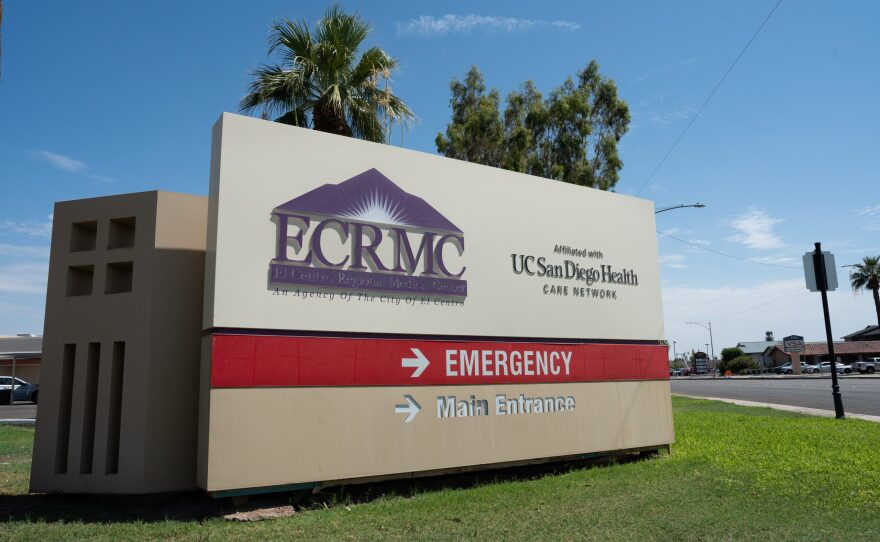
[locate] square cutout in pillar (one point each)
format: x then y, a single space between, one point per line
119 277
83 236
121 233
80 279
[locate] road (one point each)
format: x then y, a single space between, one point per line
860 395
20 410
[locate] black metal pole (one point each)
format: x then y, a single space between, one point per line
822 283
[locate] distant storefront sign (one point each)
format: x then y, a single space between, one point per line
793 344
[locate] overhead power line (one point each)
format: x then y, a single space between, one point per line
705 103
759 305
740 258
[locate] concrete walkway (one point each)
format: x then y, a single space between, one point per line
777 377
21 413
787 408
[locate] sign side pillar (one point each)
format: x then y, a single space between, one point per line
795 363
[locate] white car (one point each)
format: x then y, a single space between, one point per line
825 367
787 370
24 391
869 366
6 382
811 368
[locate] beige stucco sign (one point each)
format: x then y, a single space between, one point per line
372 311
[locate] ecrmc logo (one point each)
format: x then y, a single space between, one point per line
368 234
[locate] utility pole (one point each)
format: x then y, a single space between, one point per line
711 340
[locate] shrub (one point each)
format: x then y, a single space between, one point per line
740 364
729 354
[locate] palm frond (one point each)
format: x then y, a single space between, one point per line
275 89
321 78
365 123
374 64
291 37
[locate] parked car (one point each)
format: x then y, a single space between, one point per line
787 369
812 368
869 366
24 391
825 367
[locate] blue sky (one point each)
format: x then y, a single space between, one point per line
108 97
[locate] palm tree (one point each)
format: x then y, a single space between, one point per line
321 83
866 276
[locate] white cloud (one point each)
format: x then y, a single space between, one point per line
429 26
675 261
862 251
31 228
660 110
61 161
755 229
702 242
869 210
24 278
664 118
872 212
102 178
744 313
22 316
71 165
34 251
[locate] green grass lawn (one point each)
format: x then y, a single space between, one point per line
735 473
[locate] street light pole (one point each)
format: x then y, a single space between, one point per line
682 206
674 356
711 340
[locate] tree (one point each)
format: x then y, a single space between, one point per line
476 133
866 276
730 353
740 365
570 136
321 82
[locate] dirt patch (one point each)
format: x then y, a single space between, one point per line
259 514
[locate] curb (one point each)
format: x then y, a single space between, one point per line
789 408
18 421
775 377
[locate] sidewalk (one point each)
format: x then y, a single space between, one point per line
774 377
20 413
788 408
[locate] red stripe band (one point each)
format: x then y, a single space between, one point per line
239 361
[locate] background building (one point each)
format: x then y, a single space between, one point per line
815 352
756 350
24 352
870 333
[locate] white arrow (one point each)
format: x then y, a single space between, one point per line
410 409
420 362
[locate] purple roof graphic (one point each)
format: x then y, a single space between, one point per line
370 197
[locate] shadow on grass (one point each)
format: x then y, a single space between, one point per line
198 506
